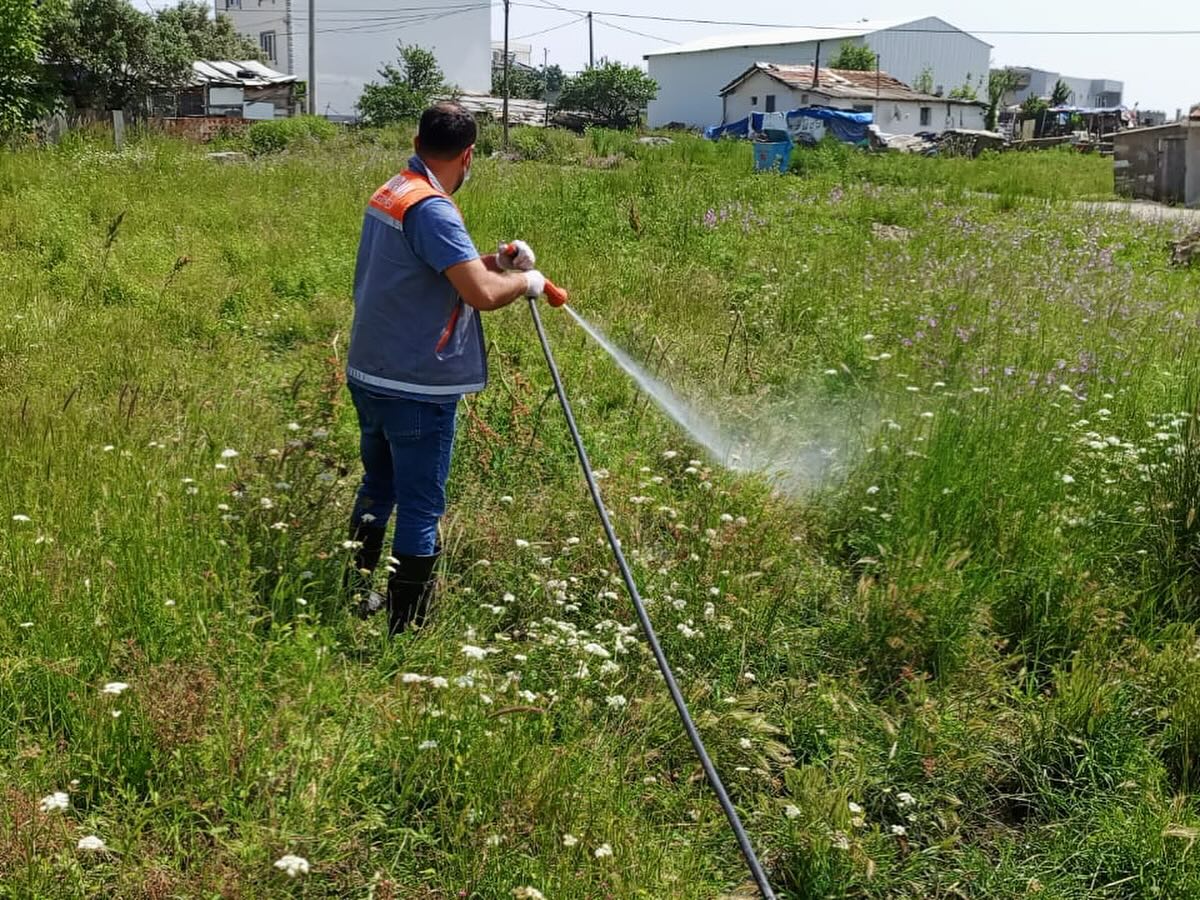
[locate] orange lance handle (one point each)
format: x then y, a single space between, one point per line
555 295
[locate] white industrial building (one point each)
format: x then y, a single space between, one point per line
690 76
898 108
1095 93
353 44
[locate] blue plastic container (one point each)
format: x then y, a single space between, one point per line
773 156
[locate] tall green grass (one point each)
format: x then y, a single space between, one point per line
963 663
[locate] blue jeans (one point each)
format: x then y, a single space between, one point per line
406 447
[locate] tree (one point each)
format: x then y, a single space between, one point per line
109 55
966 91
22 97
854 56
1000 82
614 94
924 82
206 37
527 84
523 83
406 90
1061 93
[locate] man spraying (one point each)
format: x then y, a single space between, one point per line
415 348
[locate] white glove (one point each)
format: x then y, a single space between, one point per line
522 261
535 284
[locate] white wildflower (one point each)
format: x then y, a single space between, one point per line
1068 479
905 799
791 811
21 517
569 840
411 678
855 809
522 543
56 801
115 688
427 745
506 500
229 453
528 893
603 851
437 681
91 842
596 650
292 865
899 830
616 701
472 652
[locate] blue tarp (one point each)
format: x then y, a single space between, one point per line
850 127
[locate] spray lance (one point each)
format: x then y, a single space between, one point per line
558 297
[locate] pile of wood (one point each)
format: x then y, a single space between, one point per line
1186 251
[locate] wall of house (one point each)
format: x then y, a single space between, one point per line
953 57
349 55
892 117
253 17
1138 164
1192 178
689 84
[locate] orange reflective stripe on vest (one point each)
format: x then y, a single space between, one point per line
395 199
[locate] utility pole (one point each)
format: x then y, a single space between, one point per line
504 114
591 45
312 57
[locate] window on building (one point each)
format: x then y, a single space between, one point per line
864 107
233 4
770 98
266 41
804 99
754 100
926 116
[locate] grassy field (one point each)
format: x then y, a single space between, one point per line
962 662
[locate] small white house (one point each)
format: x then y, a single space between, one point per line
690 75
898 108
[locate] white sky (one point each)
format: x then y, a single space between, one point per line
1159 71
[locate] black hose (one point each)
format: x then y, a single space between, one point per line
756 869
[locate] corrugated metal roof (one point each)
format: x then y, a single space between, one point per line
244 73
520 112
847 84
766 37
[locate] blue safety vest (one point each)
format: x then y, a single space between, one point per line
413 335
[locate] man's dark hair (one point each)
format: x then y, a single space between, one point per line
446 130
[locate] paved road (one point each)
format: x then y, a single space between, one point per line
1148 212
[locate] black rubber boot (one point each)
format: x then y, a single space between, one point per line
357 578
410 588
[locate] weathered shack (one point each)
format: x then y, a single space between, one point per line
1160 164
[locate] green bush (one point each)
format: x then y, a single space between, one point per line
280 134
552 145
610 142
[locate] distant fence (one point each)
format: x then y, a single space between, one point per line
200 128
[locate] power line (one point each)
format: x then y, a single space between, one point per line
653 37
681 20
575 21
393 24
